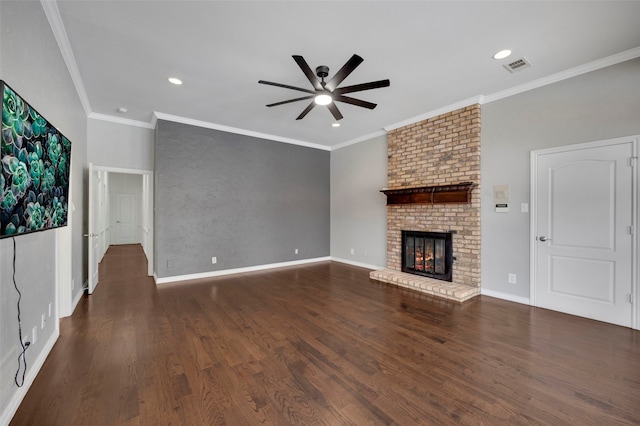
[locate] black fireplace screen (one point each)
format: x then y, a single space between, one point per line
427 253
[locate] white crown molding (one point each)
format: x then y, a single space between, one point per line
571 72
360 139
208 125
120 120
55 21
435 113
554 78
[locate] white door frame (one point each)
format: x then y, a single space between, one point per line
93 232
635 283
147 199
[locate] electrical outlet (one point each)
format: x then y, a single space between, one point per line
42 321
49 309
73 284
512 278
353 251
169 263
296 251
214 260
34 335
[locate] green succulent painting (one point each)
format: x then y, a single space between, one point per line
34 178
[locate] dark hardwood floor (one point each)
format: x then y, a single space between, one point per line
323 345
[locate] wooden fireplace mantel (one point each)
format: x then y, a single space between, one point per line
457 193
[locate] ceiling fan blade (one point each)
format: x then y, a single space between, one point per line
291 100
306 110
308 72
353 101
346 69
361 87
335 111
286 86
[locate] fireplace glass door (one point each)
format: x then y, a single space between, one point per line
427 253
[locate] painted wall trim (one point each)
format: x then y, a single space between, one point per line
436 112
359 264
207 125
554 78
55 21
78 298
505 296
564 75
34 369
358 140
176 278
120 120
123 170
60 33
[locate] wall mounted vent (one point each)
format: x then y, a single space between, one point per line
518 65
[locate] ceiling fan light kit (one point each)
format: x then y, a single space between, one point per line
323 99
328 93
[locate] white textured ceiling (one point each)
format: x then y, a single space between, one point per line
436 54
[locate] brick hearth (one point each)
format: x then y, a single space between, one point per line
438 288
442 150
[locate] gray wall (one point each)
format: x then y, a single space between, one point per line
31 63
245 200
119 145
603 104
358 208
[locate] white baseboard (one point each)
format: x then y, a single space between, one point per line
78 297
360 264
211 274
32 372
505 296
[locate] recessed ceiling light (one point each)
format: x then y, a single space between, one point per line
174 80
335 125
502 54
122 110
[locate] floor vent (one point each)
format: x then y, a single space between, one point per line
518 65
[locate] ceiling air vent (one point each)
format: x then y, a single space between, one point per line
517 65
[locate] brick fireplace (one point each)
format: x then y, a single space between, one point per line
440 152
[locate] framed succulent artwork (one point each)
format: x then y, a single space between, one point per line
36 160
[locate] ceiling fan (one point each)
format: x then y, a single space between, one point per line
328 93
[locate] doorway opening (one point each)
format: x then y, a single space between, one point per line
120 212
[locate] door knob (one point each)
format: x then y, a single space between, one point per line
543 238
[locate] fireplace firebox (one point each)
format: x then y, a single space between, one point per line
429 254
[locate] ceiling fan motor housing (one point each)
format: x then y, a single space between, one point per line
322 71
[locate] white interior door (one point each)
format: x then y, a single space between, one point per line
583 217
94 255
125 219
